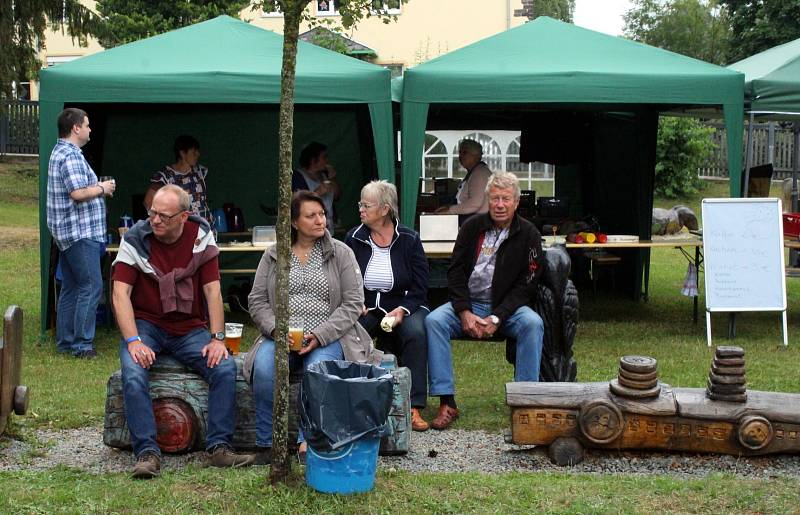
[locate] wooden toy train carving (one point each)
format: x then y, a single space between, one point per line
636 411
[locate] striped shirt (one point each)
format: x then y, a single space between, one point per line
378 275
68 219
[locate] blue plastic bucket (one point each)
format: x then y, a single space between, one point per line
349 470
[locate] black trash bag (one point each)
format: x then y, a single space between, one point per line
342 401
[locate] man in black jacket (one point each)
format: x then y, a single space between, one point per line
496 265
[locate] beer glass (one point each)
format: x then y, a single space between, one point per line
233 337
296 334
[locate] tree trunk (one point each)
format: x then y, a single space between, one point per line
281 462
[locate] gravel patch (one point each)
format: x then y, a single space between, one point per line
431 451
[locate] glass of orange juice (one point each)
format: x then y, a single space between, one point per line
233 337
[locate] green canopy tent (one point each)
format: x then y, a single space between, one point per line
220 81
602 94
772 91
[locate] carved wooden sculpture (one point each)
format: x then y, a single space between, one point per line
636 411
13 395
556 301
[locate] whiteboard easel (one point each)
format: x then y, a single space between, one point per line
743 256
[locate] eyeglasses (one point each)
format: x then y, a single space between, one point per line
165 219
364 205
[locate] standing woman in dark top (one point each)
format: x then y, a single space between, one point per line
395 272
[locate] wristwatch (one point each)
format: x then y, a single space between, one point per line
495 319
219 336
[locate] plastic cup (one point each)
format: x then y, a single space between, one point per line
233 337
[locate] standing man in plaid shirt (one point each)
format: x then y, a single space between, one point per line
76 217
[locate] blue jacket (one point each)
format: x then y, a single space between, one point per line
409 269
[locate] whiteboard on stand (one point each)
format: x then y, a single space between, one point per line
743 257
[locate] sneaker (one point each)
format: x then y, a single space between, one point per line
417 422
263 456
445 417
148 465
223 456
86 354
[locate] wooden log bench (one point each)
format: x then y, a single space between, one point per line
13 395
180 406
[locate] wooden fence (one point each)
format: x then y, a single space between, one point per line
19 127
771 140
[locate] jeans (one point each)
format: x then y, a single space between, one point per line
187 349
81 287
525 325
264 383
409 343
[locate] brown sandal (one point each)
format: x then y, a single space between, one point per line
445 417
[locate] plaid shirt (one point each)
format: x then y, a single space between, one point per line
68 219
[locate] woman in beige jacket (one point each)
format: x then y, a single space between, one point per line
325 293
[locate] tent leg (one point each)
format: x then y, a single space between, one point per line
793 254
748 160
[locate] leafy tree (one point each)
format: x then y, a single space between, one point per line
294 12
695 28
132 20
558 9
22 27
684 145
759 25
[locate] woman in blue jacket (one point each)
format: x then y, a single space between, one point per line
395 272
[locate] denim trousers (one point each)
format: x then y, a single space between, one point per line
81 288
264 383
187 349
525 325
409 343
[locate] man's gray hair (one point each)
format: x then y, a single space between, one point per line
385 193
471 146
184 200
504 181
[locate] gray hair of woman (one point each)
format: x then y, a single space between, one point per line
504 181
471 146
385 193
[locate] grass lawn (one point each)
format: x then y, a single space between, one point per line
67 393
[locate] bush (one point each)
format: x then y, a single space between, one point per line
684 145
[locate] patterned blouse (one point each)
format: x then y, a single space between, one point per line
309 298
193 182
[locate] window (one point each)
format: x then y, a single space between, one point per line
527 173
396 69
435 160
326 8
386 6
492 154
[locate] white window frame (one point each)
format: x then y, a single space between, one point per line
332 11
277 13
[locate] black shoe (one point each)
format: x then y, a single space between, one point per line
263 456
86 354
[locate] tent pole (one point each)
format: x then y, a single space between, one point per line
795 166
748 160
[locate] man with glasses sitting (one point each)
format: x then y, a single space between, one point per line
166 294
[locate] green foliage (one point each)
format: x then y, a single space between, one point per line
695 28
22 27
330 40
760 25
132 20
558 9
684 145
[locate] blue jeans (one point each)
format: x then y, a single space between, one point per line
186 348
525 325
81 287
264 383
